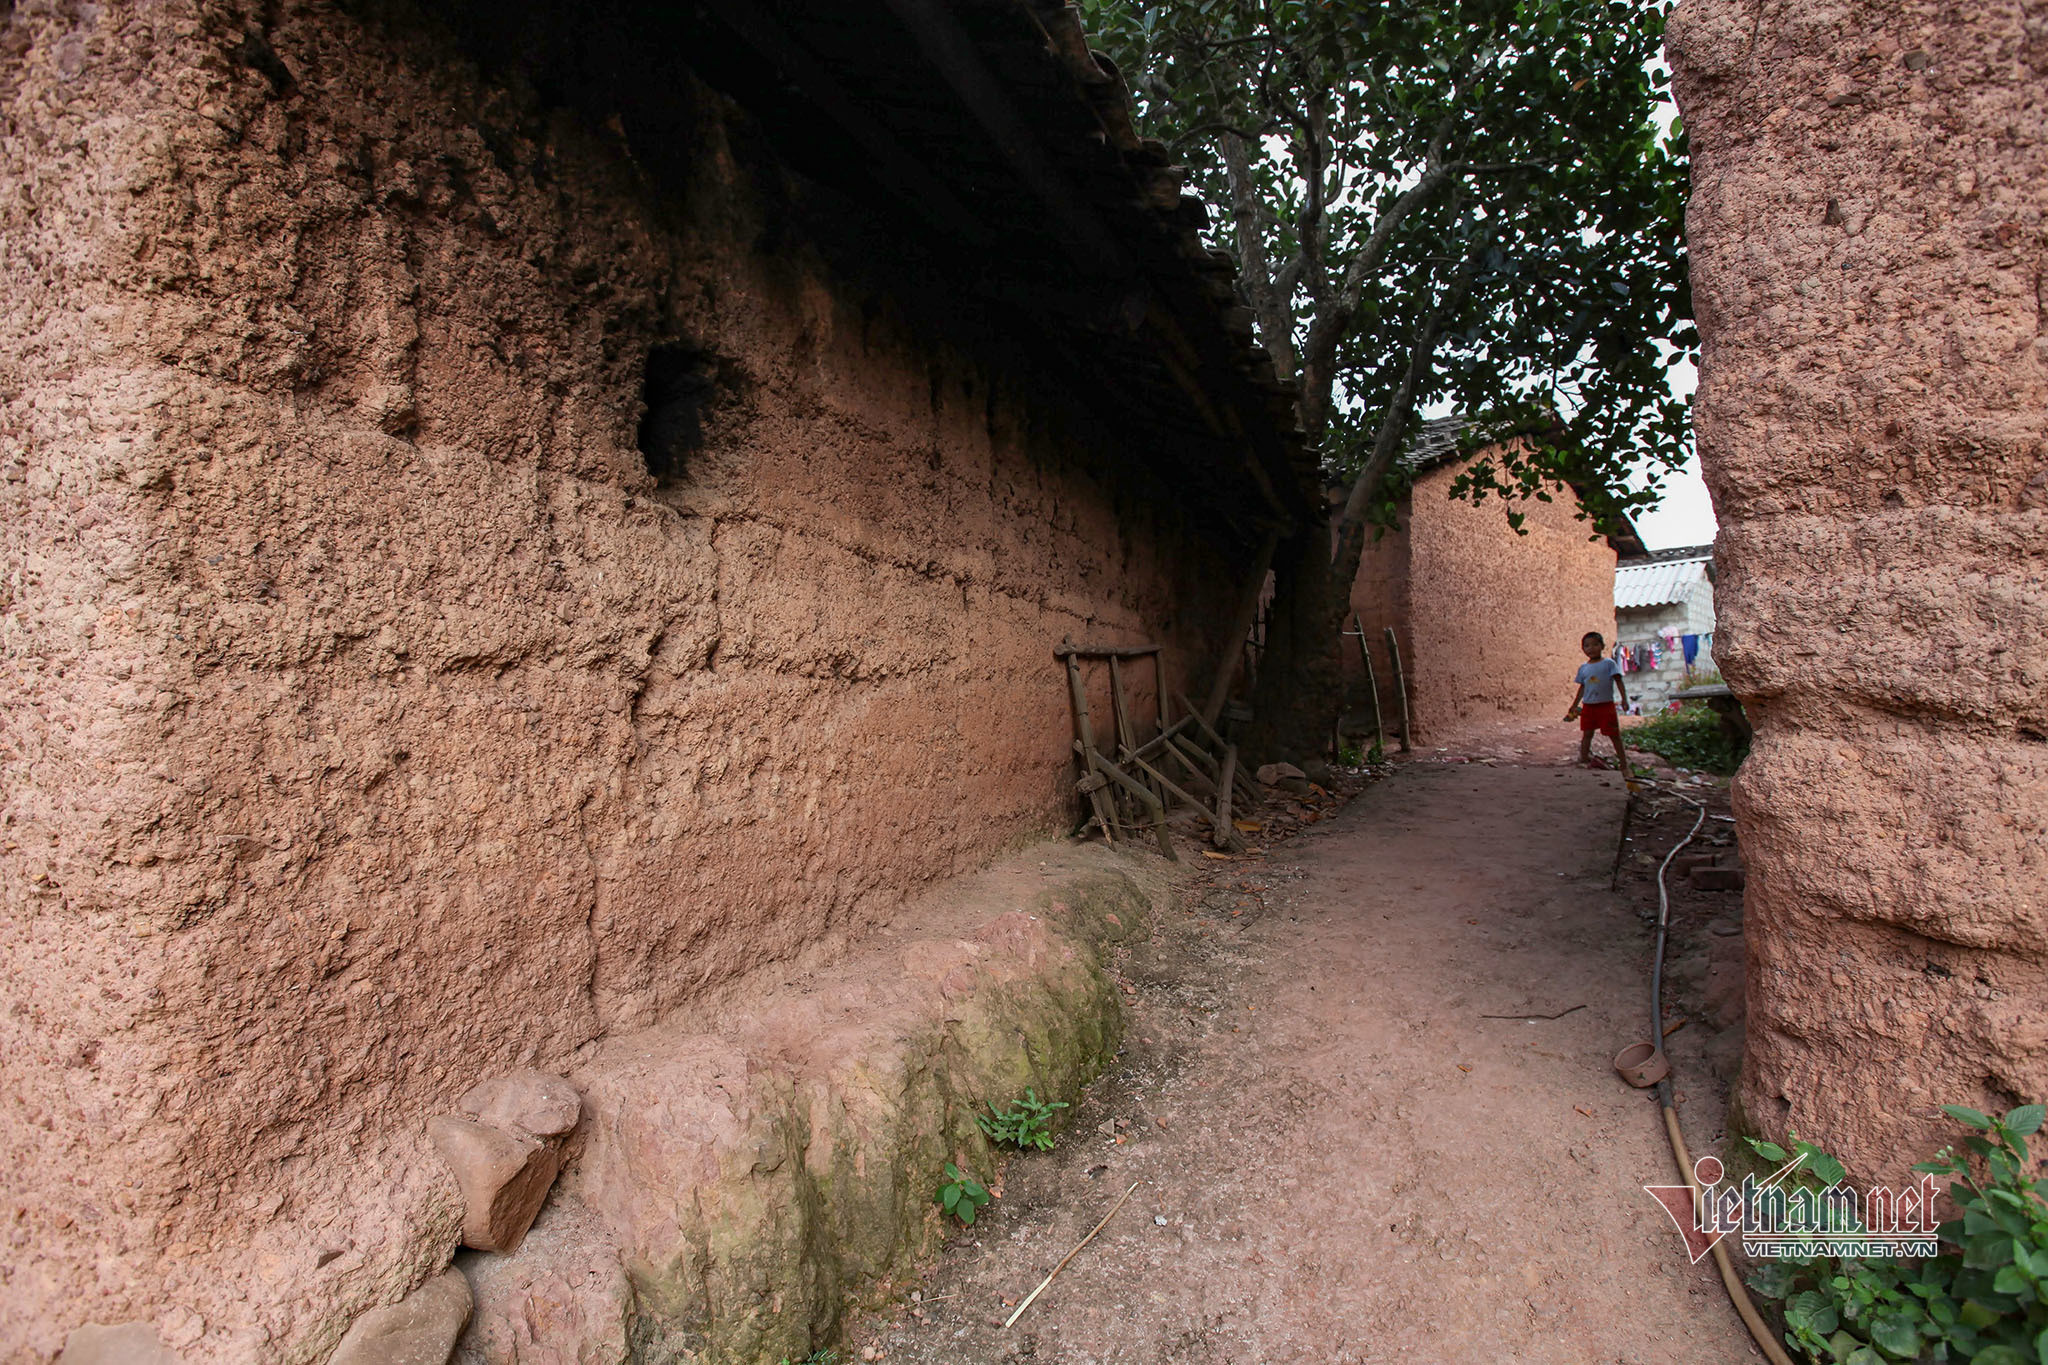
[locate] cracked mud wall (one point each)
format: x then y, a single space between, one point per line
375 719
1869 203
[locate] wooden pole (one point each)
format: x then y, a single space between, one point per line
1400 686
1159 688
1225 834
1126 734
1172 787
1102 806
1068 649
1197 776
1240 628
1244 785
1372 686
1145 799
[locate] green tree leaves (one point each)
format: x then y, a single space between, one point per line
1463 203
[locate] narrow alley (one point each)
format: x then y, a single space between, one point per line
1343 1157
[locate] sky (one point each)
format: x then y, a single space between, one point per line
1686 515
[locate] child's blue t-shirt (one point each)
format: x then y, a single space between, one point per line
1597 676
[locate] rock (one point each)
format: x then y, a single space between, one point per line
753 1180
504 1178
420 1329
182 1328
1716 878
1318 772
532 1102
562 1299
1723 996
130 1343
1269 774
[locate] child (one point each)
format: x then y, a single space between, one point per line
1599 678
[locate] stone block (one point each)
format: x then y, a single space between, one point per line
420 1329
129 1343
504 1178
1716 878
536 1103
562 1299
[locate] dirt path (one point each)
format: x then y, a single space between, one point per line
1343 1160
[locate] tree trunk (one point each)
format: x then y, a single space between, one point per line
1301 681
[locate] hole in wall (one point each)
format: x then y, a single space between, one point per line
675 392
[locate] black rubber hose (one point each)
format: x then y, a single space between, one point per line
1745 1308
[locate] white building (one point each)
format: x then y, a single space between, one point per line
1663 600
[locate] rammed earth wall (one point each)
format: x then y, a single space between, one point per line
1869 201
1489 621
375 720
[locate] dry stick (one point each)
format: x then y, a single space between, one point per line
1103 807
1559 1015
1070 1256
1628 808
1372 687
1400 686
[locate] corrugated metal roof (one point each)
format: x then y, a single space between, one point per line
1655 584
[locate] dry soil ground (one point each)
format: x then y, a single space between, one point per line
1341 1157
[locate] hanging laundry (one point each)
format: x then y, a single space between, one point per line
1691 645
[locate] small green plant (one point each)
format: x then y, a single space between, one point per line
962 1195
1350 755
1026 1123
1983 1299
1691 737
824 1355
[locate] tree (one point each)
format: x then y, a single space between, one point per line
1464 203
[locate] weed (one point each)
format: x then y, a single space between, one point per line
1984 1299
1690 737
824 1355
1026 1123
962 1195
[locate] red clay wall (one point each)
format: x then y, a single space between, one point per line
373 721
1489 621
1379 598
1868 224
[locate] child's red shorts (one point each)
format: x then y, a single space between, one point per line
1599 717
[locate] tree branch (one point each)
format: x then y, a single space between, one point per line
1252 218
1350 539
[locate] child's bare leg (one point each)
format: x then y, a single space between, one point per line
1585 746
1620 753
